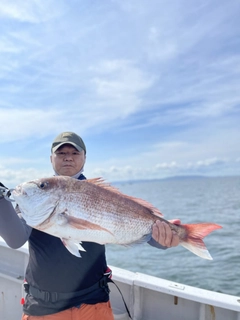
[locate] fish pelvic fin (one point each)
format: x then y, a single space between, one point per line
193 238
73 248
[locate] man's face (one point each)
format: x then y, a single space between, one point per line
67 161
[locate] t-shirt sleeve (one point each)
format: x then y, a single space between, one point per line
13 228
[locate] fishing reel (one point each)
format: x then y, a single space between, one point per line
5 192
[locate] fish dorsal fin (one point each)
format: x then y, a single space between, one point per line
101 182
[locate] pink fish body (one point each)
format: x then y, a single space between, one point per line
91 210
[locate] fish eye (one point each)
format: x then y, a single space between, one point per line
43 185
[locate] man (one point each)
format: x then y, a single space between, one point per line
59 285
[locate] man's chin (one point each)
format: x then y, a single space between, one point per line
67 172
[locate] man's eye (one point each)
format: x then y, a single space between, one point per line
60 154
65 154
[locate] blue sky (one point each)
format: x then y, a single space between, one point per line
153 87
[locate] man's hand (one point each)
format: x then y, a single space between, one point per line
163 234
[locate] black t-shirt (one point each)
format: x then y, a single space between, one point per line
53 268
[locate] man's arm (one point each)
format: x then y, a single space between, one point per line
13 230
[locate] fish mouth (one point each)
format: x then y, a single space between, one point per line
18 191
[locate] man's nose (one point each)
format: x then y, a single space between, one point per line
68 155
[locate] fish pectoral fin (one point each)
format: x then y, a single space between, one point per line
82 224
73 247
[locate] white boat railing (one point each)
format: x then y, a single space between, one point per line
154 298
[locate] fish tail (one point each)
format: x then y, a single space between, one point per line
193 235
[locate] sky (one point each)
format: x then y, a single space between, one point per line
152 86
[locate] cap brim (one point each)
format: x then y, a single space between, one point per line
61 144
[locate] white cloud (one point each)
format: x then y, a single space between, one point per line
163 170
30 11
166 73
19 124
120 83
12 178
210 162
166 165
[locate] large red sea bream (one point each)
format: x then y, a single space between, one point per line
91 210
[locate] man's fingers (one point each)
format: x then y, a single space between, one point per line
168 235
163 234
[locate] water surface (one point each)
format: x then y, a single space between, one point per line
192 200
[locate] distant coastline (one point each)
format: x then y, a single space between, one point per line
182 177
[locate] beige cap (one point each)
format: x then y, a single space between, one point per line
70 138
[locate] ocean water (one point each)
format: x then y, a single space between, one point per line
191 200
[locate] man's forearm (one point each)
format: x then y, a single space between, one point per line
12 229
